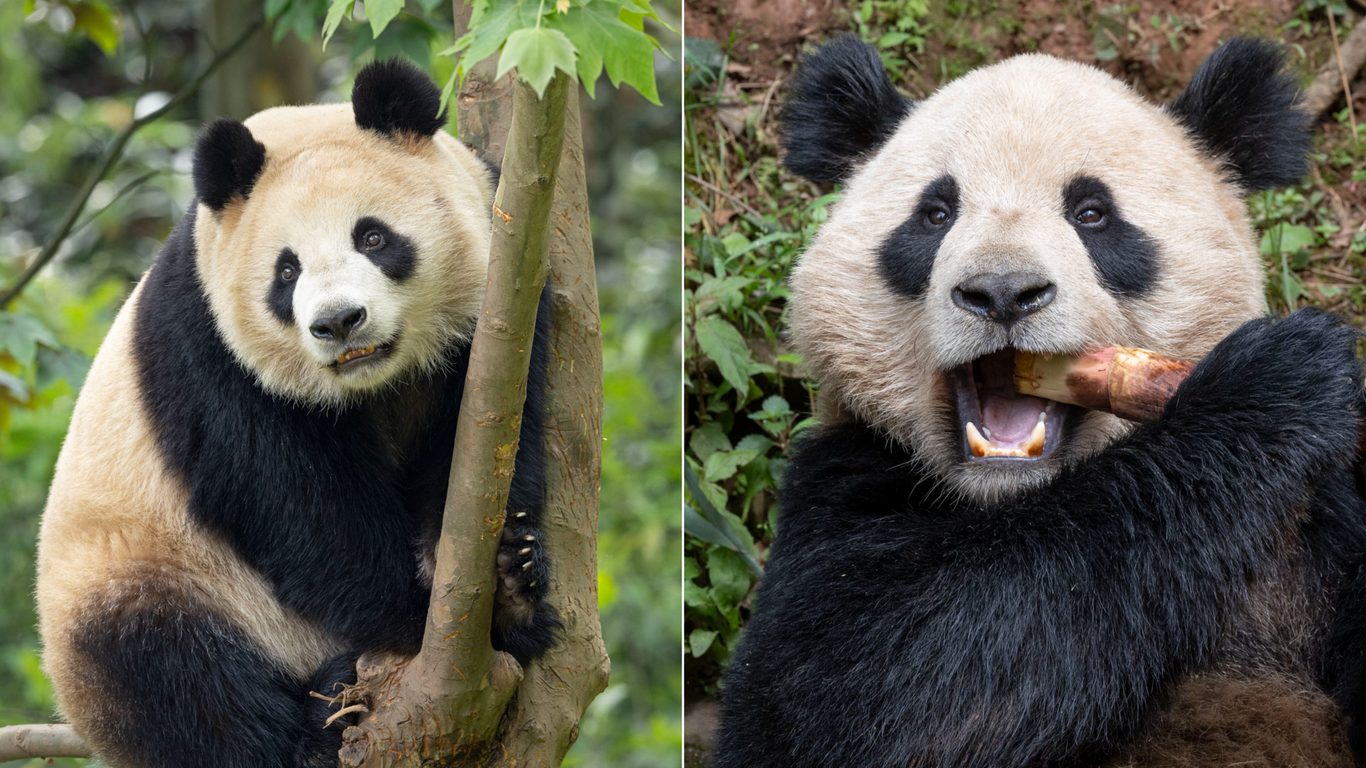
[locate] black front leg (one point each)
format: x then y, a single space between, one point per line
524 624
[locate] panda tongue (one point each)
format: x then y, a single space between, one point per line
1009 416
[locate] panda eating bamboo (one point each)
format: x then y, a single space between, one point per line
252 486
965 576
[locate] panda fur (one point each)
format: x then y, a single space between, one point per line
1188 592
235 515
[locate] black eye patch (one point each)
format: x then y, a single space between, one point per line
1124 256
393 253
906 257
280 298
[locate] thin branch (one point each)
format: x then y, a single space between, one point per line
111 156
22 742
741 203
1328 82
1346 87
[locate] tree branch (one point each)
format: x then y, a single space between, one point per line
112 153
456 690
1329 81
22 742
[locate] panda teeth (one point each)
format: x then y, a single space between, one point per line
1032 448
352 354
978 444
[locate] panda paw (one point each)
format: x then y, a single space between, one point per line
523 567
524 624
321 742
1293 385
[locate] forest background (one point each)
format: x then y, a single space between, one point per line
746 220
71 79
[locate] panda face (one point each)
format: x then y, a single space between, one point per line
352 259
1033 205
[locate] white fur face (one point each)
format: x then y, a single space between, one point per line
356 258
1015 138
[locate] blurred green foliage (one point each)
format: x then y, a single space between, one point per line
64 94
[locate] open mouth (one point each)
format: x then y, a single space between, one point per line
995 421
360 356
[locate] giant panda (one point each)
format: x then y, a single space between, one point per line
1187 592
252 486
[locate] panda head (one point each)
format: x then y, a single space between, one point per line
342 246
1036 204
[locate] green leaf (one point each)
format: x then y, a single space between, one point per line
730 577
275 7
13 389
718 521
96 21
757 443
723 464
708 439
1286 238
735 243
381 12
700 528
299 17
699 642
722 343
490 25
537 53
603 39
431 5
62 364
339 10
694 595
20 335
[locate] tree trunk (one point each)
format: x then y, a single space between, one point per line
458 700
556 690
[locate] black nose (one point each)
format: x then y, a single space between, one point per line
338 326
1005 298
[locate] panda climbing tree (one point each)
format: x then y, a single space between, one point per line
141 669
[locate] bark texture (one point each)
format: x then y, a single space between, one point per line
447 704
21 742
1328 82
555 691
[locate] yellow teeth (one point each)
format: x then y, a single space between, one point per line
352 354
981 447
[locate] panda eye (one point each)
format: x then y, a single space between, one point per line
1090 217
373 240
288 272
937 217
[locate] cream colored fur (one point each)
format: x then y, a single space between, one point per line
1013 135
116 517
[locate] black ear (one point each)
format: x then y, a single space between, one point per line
227 160
394 96
840 107
1243 108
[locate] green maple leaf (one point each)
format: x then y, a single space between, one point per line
602 38
537 53
381 12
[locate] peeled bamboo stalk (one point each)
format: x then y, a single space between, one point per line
1131 383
